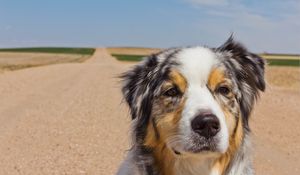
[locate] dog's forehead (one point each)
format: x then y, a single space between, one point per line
196 64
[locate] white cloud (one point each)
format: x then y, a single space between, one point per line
271 27
275 9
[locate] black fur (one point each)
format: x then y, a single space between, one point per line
250 78
140 84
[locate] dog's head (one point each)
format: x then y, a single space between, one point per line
194 99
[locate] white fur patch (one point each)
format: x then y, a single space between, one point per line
215 172
196 64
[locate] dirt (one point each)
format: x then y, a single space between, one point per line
132 50
19 60
70 119
285 77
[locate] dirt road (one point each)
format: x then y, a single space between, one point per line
63 119
68 119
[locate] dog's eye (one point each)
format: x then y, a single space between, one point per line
224 90
172 92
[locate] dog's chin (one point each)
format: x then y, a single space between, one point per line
199 146
195 150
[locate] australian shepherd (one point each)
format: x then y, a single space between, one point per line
190 108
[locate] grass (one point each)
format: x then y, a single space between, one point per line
271 62
62 50
283 62
128 57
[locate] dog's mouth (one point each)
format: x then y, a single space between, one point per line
176 152
194 150
196 146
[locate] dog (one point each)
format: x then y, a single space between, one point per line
190 109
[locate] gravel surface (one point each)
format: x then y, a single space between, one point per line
70 119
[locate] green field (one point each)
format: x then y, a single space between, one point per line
62 50
128 57
283 62
272 62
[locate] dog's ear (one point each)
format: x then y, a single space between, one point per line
252 64
248 69
135 83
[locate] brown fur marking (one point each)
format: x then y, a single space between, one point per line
217 77
167 125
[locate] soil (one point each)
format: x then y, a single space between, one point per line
70 119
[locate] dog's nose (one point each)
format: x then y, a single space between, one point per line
206 125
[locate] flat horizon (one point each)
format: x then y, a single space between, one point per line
262 26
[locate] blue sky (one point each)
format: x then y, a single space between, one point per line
262 25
